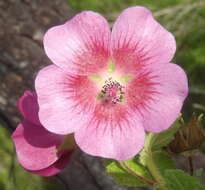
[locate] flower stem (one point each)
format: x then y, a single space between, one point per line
150 163
154 170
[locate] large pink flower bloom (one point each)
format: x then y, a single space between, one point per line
110 87
37 148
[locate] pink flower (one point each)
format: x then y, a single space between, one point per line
110 87
37 148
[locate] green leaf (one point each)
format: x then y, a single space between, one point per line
125 178
122 177
163 161
157 162
138 168
156 141
179 180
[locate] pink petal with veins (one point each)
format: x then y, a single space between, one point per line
80 46
137 39
113 133
66 101
157 93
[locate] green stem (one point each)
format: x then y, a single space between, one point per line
154 170
150 163
142 178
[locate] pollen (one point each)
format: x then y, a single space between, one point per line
112 91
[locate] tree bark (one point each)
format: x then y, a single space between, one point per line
22 26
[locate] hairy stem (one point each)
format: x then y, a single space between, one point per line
153 168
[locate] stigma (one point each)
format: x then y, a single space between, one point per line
112 91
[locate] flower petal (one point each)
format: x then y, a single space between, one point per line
157 93
35 146
56 167
80 46
28 106
65 101
137 39
112 133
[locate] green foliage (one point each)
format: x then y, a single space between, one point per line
107 6
156 141
125 177
163 160
157 162
122 177
178 180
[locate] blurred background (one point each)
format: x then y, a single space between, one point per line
22 26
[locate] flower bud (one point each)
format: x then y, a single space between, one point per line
189 137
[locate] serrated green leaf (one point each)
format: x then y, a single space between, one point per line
163 161
123 177
179 180
157 162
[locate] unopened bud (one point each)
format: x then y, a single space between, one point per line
189 137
